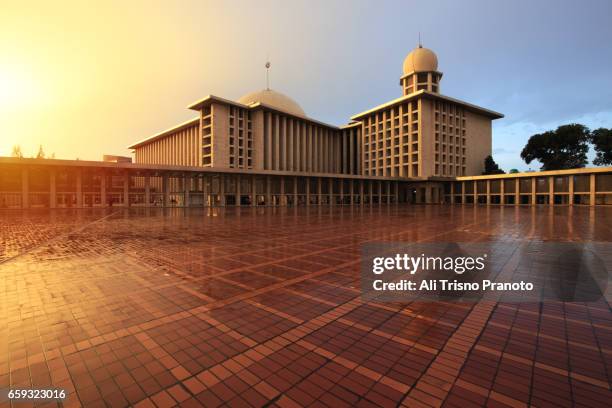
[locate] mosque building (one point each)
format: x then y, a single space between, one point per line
264 149
420 134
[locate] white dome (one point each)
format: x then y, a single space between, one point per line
273 99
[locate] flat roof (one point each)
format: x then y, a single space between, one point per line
173 168
428 94
166 132
583 170
208 100
147 167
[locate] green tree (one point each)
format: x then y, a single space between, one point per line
563 148
513 171
41 153
602 143
491 167
17 152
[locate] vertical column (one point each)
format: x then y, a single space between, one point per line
352 190
331 191
253 191
592 189
344 161
322 153
360 153
276 146
126 189
52 189
221 190
307 191
79 188
308 135
297 146
290 146
238 192
388 191
551 190
401 141
488 192
103 201
315 149
351 149
268 163
295 191
165 191
571 189
341 181
428 194
324 149
187 185
517 191
533 191
147 186
304 147
25 188
283 143
282 199
452 192
463 192
380 188
268 195
361 198
397 185
205 190
502 191
330 151
319 181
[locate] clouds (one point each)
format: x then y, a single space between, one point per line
510 138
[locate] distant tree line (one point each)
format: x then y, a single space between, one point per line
563 148
40 155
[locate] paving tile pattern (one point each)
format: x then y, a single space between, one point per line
261 307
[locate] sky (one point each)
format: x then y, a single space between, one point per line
84 79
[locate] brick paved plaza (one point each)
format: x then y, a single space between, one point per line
261 307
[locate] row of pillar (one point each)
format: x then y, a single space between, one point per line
532 194
382 188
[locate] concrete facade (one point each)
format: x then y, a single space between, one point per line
49 183
420 134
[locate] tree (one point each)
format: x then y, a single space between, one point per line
513 171
491 167
17 152
41 153
563 148
602 143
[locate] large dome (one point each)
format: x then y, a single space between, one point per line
275 100
420 60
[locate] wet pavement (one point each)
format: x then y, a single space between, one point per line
255 307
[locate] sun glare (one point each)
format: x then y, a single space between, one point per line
18 87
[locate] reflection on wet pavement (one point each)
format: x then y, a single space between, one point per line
229 306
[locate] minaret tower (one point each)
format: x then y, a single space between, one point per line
420 71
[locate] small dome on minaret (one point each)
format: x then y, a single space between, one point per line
420 71
420 60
